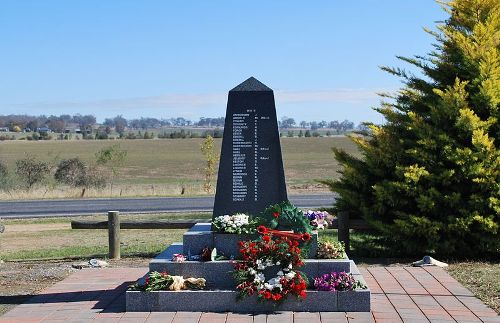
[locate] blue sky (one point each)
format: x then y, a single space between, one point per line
179 58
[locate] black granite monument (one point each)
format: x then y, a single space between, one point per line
251 173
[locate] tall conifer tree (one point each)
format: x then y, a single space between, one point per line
429 178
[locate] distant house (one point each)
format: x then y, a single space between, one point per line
87 131
72 128
4 129
43 130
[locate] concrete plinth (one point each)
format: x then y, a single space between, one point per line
225 301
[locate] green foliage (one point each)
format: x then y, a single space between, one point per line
4 175
285 216
113 158
153 282
429 179
211 159
31 170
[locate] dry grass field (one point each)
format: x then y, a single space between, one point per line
163 167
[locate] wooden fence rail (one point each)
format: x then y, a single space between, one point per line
342 223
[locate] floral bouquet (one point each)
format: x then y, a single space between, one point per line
318 219
335 281
237 223
258 255
156 281
330 250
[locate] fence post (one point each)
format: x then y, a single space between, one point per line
343 229
114 234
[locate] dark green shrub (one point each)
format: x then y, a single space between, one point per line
429 178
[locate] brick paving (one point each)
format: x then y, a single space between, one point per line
399 294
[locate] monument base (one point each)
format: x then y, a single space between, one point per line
225 301
201 236
220 295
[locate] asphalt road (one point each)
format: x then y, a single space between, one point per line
77 207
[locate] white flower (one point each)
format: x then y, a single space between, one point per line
290 275
259 278
252 271
268 286
278 263
280 273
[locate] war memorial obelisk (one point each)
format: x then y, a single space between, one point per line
251 175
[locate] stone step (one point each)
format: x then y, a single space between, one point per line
219 273
225 301
200 236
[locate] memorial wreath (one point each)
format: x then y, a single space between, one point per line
274 248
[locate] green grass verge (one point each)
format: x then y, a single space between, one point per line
100 217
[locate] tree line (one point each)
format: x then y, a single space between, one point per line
119 124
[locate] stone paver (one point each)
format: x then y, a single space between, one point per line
399 294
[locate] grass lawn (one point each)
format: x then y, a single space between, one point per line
53 238
481 278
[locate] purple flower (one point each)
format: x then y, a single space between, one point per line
335 281
318 219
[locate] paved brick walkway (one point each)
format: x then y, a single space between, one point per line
398 294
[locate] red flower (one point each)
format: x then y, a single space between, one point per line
267 295
276 214
306 237
277 297
302 285
262 229
303 294
266 238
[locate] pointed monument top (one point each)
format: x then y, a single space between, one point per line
251 84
